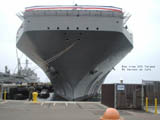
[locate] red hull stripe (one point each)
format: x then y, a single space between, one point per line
73 8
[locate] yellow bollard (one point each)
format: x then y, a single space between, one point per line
146 104
0 94
5 94
155 106
34 94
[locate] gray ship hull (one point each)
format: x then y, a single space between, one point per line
76 52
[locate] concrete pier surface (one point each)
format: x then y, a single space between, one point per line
51 110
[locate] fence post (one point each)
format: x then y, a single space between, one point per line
156 106
5 94
146 104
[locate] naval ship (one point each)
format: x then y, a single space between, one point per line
76 46
23 75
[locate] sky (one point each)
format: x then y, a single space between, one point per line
142 63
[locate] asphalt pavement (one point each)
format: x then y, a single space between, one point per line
52 110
